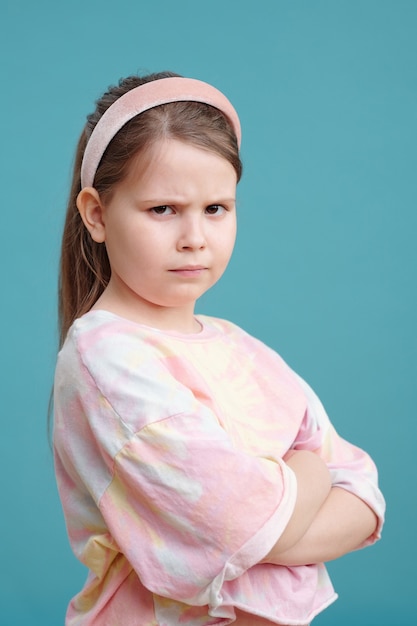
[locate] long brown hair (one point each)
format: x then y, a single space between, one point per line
84 267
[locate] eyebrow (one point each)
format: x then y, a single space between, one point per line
170 200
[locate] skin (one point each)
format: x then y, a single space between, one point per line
327 521
169 229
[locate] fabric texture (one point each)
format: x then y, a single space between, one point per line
140 99
168 454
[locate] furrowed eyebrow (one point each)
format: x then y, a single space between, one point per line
179 202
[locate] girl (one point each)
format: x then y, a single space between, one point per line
201 480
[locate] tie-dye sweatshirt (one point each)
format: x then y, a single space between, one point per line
168 452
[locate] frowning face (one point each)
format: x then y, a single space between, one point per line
169 229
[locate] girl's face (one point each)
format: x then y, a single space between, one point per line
169 230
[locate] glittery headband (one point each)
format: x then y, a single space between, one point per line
142 98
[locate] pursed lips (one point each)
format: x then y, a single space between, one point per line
189 270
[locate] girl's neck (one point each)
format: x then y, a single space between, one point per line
178 319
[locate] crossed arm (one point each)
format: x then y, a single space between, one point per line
327 521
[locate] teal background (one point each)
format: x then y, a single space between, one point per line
325 266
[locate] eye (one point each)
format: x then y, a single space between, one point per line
162 210
215 209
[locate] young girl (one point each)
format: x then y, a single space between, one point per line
201 480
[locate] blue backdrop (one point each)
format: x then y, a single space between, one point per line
325 266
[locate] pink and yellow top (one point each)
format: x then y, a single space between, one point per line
168 452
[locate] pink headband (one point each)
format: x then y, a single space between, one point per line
142 98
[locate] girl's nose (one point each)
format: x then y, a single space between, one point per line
192 236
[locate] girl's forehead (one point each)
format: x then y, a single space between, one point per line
167 154
175 168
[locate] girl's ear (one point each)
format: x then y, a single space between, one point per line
91 210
